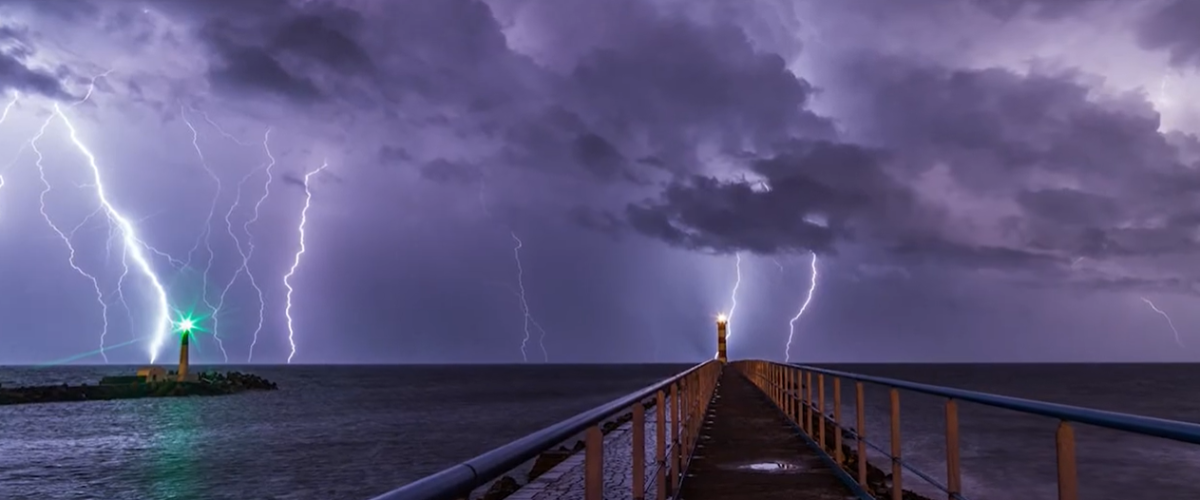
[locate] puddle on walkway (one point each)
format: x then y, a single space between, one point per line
770 467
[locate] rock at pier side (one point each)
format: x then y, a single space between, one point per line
206 384
558 474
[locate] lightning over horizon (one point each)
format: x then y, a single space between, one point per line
528 316
134 248
812 287
733 296
287 310
206 234
1170 322
246 250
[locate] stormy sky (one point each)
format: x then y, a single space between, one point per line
979 180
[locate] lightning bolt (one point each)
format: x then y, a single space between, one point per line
287 310
3 117
247 251
134 248
66 239
728 318
1168 318
206 234
529 319
733 296
812 287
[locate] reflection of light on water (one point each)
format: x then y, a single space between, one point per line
772 467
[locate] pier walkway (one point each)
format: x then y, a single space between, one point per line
749 449
755 430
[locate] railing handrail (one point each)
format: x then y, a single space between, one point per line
457 481
1168 429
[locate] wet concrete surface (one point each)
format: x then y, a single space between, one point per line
749 451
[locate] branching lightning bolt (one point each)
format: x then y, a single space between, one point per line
246 252
206 234
529 319
134 248
812 287
1168 318
287 310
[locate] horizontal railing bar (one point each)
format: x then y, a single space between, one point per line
457 481
1149 426
855 435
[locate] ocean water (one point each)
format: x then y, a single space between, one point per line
352 432
1007 455
330 432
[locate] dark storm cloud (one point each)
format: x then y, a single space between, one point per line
697 81
1070 206
817 192
390 155
324 39
996 122
16 74
241 69
597 220
943 252
276 50
1173 28
446 171
600 157
997 132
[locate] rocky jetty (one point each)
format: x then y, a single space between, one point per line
507 485
206 384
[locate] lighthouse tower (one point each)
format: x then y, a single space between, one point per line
722 323
183 356
185 328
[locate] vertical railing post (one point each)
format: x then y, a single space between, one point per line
593 460
772 386
800 400
897 472
953 474
779 387
1068 482
821 410
794 398
837 420
860 424
673 483
808 403
802 414
660 445
685 419
638 445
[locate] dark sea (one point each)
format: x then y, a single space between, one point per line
352 432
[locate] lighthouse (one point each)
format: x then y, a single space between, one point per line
722 323
185 328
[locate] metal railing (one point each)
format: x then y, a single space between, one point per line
791 388
688 394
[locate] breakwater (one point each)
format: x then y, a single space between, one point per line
205 384
507 485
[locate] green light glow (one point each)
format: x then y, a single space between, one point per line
188 323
